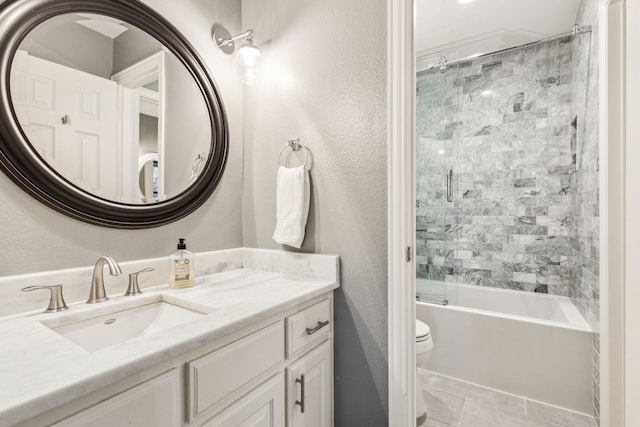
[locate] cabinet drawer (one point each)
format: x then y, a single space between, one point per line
308 326
222 376
152 403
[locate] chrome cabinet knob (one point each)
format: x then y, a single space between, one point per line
56 302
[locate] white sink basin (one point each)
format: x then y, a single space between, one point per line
113 328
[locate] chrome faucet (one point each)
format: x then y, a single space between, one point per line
97 293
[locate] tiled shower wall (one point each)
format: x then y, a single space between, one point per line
503 125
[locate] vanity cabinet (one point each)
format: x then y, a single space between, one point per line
275 373
263 407
152 403
308 327
310 389
308 366
219 378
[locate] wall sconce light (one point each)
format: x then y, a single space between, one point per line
247 56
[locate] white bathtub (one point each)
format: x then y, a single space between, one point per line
533 345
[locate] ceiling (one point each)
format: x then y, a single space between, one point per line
459 30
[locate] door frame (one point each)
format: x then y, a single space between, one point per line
130 80
616 26
401 212
632 245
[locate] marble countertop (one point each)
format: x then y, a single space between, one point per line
40 370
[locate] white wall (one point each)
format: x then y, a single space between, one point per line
327 84
36 238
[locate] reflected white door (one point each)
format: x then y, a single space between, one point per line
70 118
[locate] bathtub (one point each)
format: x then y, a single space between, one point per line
532 345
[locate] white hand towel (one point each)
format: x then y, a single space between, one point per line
292 206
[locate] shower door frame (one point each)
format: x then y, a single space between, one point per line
613 202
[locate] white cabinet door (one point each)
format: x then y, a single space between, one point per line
154 403
263 407
310 389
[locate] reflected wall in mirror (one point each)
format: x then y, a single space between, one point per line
88 89
95 95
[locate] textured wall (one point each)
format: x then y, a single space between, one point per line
37 238
502 124
585 284
327 84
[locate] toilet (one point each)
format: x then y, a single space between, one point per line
424 347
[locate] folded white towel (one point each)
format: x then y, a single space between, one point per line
292 206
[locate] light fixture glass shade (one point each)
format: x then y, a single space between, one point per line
245 63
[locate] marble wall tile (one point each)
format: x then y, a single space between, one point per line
505 125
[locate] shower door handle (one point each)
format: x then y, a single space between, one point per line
449 185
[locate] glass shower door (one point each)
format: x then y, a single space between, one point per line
434 187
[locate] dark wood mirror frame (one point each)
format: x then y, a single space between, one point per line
20 161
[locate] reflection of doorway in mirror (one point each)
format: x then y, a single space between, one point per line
148 178
141 92
69 117
148 142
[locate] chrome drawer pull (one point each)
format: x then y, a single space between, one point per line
301 401
317 328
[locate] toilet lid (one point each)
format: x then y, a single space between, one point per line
422 331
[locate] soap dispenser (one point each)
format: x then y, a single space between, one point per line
181 267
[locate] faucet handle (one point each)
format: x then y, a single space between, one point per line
56 302
134 288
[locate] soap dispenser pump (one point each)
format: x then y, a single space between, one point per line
181 267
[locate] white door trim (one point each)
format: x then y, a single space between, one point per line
130 81
612 210
401 212
632 231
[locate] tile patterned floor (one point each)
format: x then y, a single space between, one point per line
454 403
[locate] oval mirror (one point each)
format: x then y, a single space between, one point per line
108 115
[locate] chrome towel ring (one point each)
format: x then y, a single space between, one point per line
295 145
